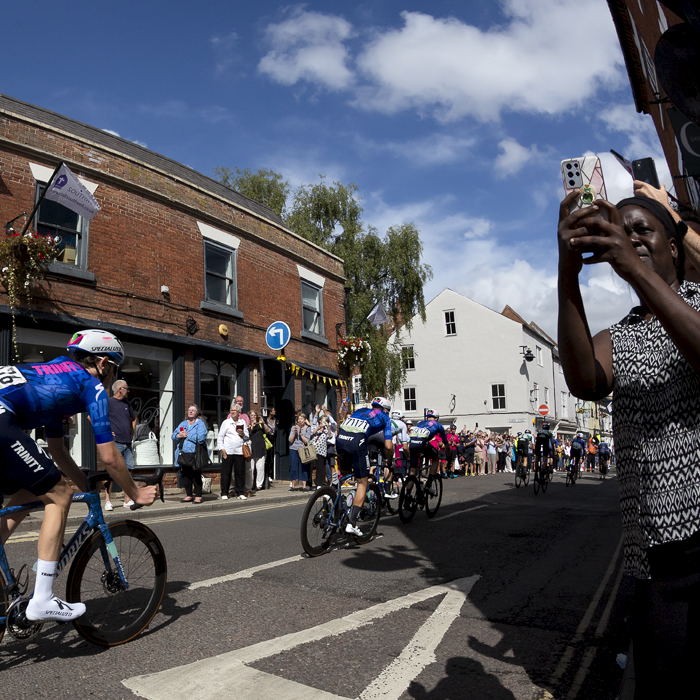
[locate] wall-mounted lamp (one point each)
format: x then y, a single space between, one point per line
527 353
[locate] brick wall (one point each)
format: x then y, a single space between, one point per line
146 235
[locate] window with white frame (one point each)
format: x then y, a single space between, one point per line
546 395
220 274
408 357
450 326
409 399
312 308
498 397
65 226
535 393
538 351
564 403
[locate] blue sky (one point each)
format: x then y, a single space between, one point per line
452 115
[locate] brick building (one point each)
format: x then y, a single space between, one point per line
640 24
229 264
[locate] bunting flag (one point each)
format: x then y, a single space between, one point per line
624 163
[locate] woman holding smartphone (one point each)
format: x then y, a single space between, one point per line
299 437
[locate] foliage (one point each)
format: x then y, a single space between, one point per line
265 186
378 269
24 260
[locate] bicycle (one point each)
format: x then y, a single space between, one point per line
420 492
603 465
571 473
522 473
119 572
388 486
542 475
328 511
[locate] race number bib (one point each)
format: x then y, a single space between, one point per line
354 425
11 376
421 433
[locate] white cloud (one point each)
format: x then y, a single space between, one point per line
309 46
467 256
109 131
435 149
513 157
549 56
640 140
223 46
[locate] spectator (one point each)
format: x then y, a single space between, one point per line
502 449
491 453
271 422
650 361
232 434
298 437
468 445
243 416
122 420
258 429
319 439
479 451
190 432
451 447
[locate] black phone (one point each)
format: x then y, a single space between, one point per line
645 170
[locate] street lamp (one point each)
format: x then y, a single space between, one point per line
527 353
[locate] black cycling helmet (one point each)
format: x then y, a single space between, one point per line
545 426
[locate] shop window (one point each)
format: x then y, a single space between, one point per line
316 394
218 386
147 371
55 220
220 274
312 308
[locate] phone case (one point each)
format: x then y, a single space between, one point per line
586 175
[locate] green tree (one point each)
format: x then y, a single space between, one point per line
378 269
265 186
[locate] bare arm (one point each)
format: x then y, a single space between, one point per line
114 462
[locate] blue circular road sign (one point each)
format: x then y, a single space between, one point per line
278 335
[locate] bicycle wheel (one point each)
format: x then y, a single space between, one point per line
536 481
545 481
369 516
433 495
116 614
408 499
316 529
392 488
518 473
526 478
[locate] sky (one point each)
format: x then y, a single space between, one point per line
452 115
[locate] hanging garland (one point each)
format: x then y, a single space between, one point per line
24 260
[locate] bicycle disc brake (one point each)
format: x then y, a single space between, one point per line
17 623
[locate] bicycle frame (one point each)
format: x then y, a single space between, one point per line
93 520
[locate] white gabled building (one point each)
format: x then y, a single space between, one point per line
469 363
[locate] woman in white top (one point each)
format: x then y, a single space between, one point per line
232 435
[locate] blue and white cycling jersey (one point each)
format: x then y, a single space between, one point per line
425 431
578 444
44 394
367 422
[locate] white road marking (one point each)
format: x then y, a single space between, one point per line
228 676
246 573
459 512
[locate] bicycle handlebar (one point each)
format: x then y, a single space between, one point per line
151 480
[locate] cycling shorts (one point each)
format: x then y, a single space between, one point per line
418 447
542 447
575 454
352 453
24 464
522 448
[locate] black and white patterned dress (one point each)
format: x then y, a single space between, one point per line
656 425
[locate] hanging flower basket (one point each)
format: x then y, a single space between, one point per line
353 351
24 260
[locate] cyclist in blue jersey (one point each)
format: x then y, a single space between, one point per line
352 451
578 449
419 443
34 395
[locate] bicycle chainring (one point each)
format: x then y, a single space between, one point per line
17 623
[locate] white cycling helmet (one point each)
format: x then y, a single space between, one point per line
431 415
381 402
96 342
398 414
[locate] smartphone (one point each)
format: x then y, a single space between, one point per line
585 175
182 430
645 170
